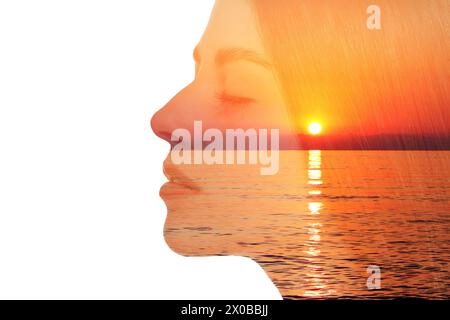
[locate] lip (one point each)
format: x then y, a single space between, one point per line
171 188
176 179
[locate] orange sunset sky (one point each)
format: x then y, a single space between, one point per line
393 81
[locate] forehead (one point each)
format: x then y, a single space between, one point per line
233 24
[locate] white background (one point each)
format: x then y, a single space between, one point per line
80 169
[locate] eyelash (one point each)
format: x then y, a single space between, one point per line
234 100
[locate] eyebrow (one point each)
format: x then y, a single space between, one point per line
228 55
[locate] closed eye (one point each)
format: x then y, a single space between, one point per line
227 99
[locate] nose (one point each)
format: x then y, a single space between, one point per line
160 124
164 121
179 112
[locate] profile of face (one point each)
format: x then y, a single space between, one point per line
212 210
235 87
293 218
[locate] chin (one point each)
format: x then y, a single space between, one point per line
184 239
175 247
181 246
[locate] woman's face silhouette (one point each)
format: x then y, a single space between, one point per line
317 222
234 87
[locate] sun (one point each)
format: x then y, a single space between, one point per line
315 128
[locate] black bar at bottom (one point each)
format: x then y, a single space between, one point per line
197 309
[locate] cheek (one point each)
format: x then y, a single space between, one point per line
259 115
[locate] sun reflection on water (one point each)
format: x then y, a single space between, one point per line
316 285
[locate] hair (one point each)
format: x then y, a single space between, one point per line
328 61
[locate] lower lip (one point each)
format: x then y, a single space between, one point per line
174 188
